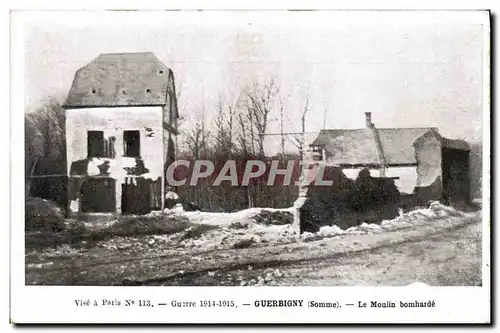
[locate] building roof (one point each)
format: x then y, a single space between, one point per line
349 146
359 146
455 144
120 79
397 143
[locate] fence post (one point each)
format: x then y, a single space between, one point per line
302 197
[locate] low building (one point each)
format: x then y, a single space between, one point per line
121 124
420 160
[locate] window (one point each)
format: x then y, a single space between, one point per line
132 142
95 144
317 153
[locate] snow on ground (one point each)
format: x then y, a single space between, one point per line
244 229
239 229
222 219
408 220
240 233
240 239
225 219
236 230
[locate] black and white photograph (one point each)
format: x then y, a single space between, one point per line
255 149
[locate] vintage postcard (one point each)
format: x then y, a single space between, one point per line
250 167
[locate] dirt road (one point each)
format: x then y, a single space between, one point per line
444 251
449 258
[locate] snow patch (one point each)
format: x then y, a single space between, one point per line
226 219
240 229
435 210
330 231
40 265
93 166
171 195
176 210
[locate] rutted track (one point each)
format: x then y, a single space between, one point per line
295 270
181 267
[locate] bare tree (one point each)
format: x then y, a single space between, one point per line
224 123
282 130
224 144
259 104
220 128
45 132
196 146
242 131
32 144
231 113
298 140
45 136
196 137
259 101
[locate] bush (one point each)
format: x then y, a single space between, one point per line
43 215
147 225
273 217
77 234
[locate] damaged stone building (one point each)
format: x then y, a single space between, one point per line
121 128
420 160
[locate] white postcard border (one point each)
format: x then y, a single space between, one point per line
43 304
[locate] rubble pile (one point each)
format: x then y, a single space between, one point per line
267 217
268 278
43 216
348 203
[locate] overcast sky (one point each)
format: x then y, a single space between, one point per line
408 73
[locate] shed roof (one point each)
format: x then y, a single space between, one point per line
359 147
397 143
349 146
455 144
120 79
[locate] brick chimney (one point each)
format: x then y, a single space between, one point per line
368 118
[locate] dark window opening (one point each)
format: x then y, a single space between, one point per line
317 153
93 90
132 142
95 144
148 90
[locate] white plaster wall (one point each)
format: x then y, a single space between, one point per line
407 176
429 159
353 173
113 121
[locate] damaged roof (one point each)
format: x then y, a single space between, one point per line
120 79
359 146
397 143
455 144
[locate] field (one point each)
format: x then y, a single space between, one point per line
256 247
